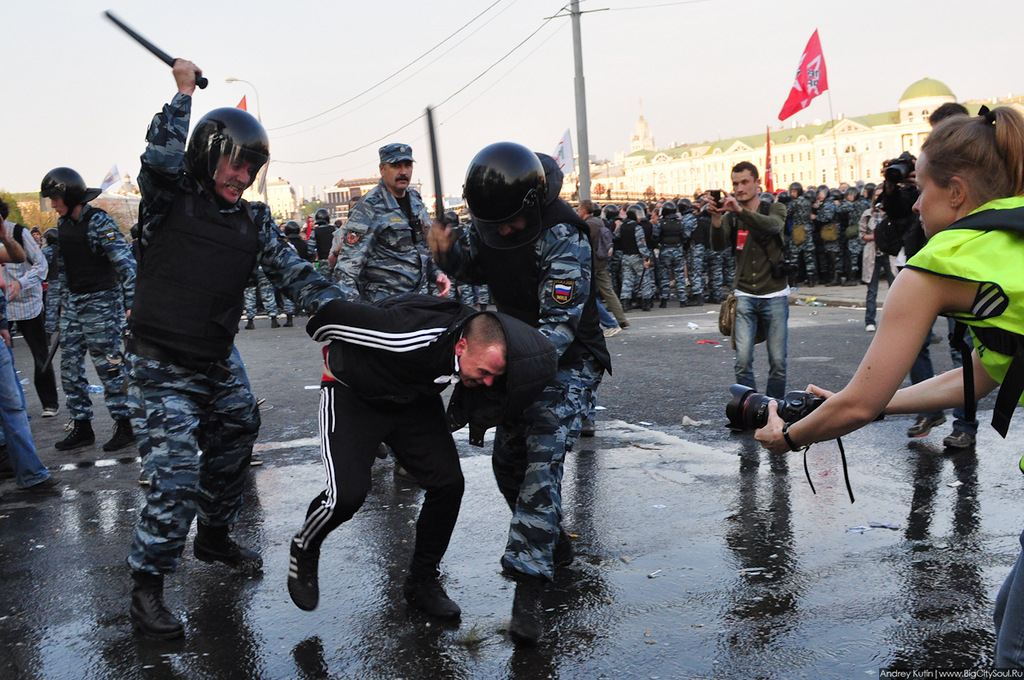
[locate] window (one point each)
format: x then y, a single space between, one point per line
868 171
910 116
924 115
823 177
822 152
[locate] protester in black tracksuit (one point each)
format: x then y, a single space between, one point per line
385 369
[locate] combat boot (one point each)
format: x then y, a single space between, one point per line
648 305
627 305
526 625
812 281
149 615
303 577
81 435
288 321
212 544
427 594
564 552
123 436
274 322
696 301
664 303
249 325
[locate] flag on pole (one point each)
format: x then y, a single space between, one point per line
769 180
811 79
563 154
241 104
111 178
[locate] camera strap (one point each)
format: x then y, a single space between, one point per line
846 472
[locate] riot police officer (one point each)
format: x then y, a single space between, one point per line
536 257
637 271
188 383
672 256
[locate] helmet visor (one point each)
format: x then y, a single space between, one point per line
516 231
237 156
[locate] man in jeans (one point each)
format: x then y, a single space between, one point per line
761 284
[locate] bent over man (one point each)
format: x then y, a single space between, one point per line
189 387
384 372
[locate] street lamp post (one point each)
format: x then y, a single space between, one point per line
255 91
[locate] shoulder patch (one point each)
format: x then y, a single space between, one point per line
562 290
353 237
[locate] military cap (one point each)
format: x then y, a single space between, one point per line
393 153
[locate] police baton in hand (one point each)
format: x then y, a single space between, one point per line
52 352
201 82
438 198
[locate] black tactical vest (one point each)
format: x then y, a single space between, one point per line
671 233
513 277
627 238
86 271
191 277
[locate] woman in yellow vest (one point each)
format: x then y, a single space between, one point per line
971 178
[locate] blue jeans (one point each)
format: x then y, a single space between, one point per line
960 421
773 312
923 370
28 469
606 319
1009 618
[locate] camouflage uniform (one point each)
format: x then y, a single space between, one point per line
529 449
672 258
828 215
379 253
179 406
637 280
93 322
266 293
802 229
855 246
52 299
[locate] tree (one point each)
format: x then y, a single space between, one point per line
12 204
310 207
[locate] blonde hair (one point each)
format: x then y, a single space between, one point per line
986 151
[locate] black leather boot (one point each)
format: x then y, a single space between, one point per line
123 436
212 544
427 595
288 321
527 625
663 304
274 322
250 325
149 615
81 435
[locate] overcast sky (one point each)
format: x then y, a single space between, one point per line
81 93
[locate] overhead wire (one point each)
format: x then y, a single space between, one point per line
442 102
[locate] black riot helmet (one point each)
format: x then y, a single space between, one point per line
835 195
636 212
67 185
50 236
797 187
811 196
685 205
668 209
451 217
291 227
322 216
505 182
642 204
226 133
611 212
553 177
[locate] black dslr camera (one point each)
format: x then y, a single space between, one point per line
898 169
748 410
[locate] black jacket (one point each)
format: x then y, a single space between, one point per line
403 348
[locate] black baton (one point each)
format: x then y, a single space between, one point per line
201 82
438 199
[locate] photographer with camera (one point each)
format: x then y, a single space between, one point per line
970 181
761 283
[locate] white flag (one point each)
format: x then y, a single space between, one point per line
563 154
111 178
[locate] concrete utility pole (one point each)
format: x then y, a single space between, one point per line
581 105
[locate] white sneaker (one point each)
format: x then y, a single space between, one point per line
614 330
870 328
50 411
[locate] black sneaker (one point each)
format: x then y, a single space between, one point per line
303 580
958 439
428 596
214 545
923 425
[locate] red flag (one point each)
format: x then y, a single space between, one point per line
811 79
769 181
241 104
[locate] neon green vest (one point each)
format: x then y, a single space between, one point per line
987 247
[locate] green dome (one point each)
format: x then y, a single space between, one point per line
926 87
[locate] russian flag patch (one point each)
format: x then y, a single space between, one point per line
562 290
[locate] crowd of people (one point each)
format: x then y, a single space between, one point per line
402 302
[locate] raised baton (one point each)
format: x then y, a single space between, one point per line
201 82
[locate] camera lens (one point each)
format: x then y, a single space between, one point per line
747 410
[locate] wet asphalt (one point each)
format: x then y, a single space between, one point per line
697 554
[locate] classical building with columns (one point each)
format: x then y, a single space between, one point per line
848 149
